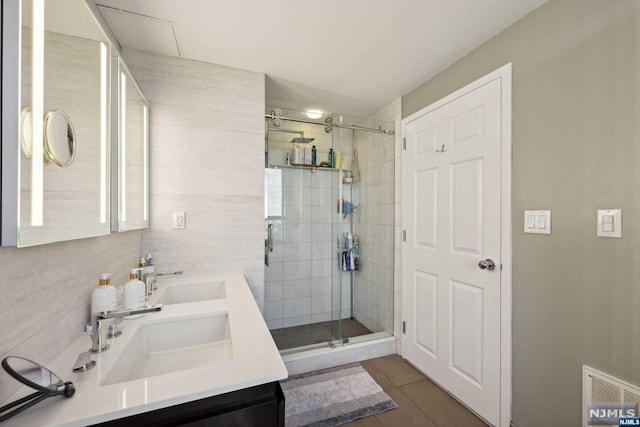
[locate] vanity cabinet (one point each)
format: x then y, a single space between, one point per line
259 406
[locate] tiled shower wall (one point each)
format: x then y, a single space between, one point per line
393 113
374 289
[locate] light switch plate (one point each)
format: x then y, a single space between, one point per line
537 222
609 223
179 220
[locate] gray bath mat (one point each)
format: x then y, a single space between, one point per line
333 396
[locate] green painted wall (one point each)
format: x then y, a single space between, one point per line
576 148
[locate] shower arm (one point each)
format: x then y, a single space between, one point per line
298 132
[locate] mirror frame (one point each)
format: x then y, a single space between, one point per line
119 221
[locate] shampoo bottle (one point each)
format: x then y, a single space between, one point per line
104 297
134 296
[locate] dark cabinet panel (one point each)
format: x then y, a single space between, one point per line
259 406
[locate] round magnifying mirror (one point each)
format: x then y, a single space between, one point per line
59 138
33 374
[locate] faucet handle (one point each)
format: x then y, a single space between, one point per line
84 362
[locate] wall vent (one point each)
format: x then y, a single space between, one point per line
598 387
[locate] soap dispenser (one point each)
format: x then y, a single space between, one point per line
104 297
134 291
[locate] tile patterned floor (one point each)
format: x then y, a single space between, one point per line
420 402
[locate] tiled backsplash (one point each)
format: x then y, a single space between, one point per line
46 290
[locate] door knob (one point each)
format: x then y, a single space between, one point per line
487 264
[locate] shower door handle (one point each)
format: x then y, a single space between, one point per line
268 243
270 237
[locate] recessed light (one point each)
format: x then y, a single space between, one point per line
314 114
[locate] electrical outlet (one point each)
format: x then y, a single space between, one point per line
179 220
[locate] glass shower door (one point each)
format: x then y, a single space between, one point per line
298 284
344 263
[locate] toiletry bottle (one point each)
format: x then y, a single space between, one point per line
104 297
314 156
143 262
330 158
307 156
134 295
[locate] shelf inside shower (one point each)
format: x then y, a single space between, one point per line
311 167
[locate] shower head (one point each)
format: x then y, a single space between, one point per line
302 140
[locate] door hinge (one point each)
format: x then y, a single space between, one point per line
404 327
404 143
404 235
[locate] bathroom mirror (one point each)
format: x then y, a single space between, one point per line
59 138
56 163
36 376
130 192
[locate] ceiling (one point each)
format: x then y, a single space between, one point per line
346 56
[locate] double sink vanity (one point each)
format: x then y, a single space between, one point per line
207 355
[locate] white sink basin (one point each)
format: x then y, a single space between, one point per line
172 345
193 292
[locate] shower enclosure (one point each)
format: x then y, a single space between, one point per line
329 229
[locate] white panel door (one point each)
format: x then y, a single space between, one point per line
452 180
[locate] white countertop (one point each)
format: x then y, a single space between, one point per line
255 361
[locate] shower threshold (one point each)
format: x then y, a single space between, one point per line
315 334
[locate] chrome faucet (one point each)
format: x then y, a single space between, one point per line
99 332
150 280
